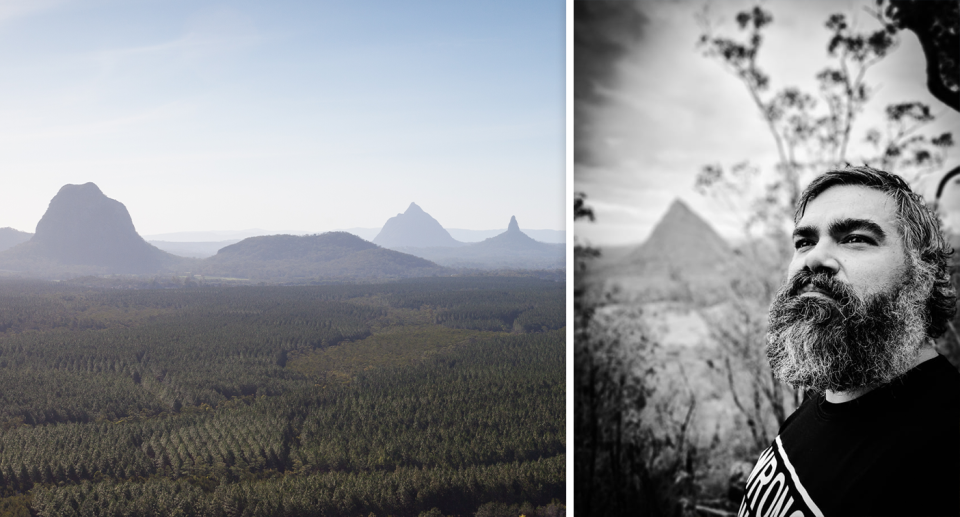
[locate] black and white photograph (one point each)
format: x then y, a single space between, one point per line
765 203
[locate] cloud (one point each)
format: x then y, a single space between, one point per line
207 37
604 32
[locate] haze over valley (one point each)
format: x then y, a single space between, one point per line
85 232
257 380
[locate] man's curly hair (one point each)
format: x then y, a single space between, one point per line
919 229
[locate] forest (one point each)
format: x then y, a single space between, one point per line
438 396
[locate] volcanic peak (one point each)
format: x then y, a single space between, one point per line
513 226
82 226
414 228
682 240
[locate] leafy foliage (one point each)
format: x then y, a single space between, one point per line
812 132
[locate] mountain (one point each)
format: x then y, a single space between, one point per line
547 236
10 237
463 235
683 258
85 232
330 256
682 240
512 240
511 249
414 229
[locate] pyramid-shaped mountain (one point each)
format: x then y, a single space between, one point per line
85 231
331 255
414 229
682 240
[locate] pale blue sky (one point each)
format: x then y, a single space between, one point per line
282 115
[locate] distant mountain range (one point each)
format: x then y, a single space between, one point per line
468 236
510 249
416 232
83 232
208 243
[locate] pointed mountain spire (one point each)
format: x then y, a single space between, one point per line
513 226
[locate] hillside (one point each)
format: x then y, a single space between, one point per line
414 228
545 236
683 258
511 249
512 240
681 241
10 238
331 255
85 232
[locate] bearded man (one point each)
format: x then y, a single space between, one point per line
868 291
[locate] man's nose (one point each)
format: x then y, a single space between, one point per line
822 258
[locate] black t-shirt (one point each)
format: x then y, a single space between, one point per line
892 451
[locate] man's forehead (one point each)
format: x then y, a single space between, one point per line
850 202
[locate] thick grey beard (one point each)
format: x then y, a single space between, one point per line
818 344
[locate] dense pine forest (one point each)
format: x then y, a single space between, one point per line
438 396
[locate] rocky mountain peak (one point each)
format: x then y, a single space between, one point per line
79 213
414 228
82 226
513 226
684 241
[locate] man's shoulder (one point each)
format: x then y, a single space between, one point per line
942 371
806 408
860 450
933 385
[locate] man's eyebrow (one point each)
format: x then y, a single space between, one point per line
806 232
842 227
845 226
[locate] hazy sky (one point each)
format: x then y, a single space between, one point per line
671 111
285 115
